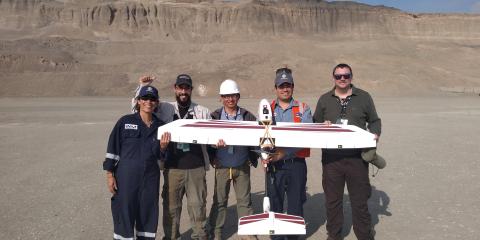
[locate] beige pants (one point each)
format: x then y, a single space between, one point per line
224 177
179 182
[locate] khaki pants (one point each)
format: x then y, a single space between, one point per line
240 177
179 182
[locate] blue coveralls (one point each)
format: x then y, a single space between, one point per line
288 176
132 154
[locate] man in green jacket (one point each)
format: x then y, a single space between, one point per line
346 104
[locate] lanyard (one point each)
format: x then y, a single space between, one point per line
343 106
189 112
236 117
237 114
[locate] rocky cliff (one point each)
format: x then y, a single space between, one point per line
78 48
218 21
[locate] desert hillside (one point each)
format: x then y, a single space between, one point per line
100 48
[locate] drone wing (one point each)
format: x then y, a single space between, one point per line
249 133
319 135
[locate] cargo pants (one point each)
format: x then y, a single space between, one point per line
180 182
224 177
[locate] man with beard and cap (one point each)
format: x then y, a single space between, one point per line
185 166
349 105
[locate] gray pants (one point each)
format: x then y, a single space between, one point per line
179 182
240 177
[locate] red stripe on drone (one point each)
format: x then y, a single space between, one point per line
226 122
289 217
257 216
314 129
222 126
250 221
312 125
217 122
230 123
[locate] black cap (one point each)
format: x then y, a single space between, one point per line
148 91
283 75
183 79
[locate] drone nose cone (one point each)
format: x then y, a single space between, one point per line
264 111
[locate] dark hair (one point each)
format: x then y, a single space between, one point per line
342 65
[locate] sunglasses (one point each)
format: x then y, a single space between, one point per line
283 70
231 96
344 76
148 98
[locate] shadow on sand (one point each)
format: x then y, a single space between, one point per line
314 212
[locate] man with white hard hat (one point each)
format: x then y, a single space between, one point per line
231 163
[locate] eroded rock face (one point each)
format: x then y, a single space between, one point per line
217 21
101 47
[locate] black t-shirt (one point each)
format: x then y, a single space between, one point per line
184 155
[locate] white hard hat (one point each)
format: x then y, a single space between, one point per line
229 87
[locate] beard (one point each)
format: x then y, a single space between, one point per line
183 99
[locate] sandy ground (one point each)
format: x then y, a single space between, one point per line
53 187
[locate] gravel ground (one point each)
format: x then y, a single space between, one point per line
53 187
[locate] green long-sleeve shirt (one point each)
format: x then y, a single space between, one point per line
360 111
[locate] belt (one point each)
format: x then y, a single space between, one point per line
290 160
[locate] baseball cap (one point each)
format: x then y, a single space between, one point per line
148 91
184 79
284 75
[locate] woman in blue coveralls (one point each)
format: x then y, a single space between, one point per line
133 175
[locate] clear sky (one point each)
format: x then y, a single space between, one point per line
429 6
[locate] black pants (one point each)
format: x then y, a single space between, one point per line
354 172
